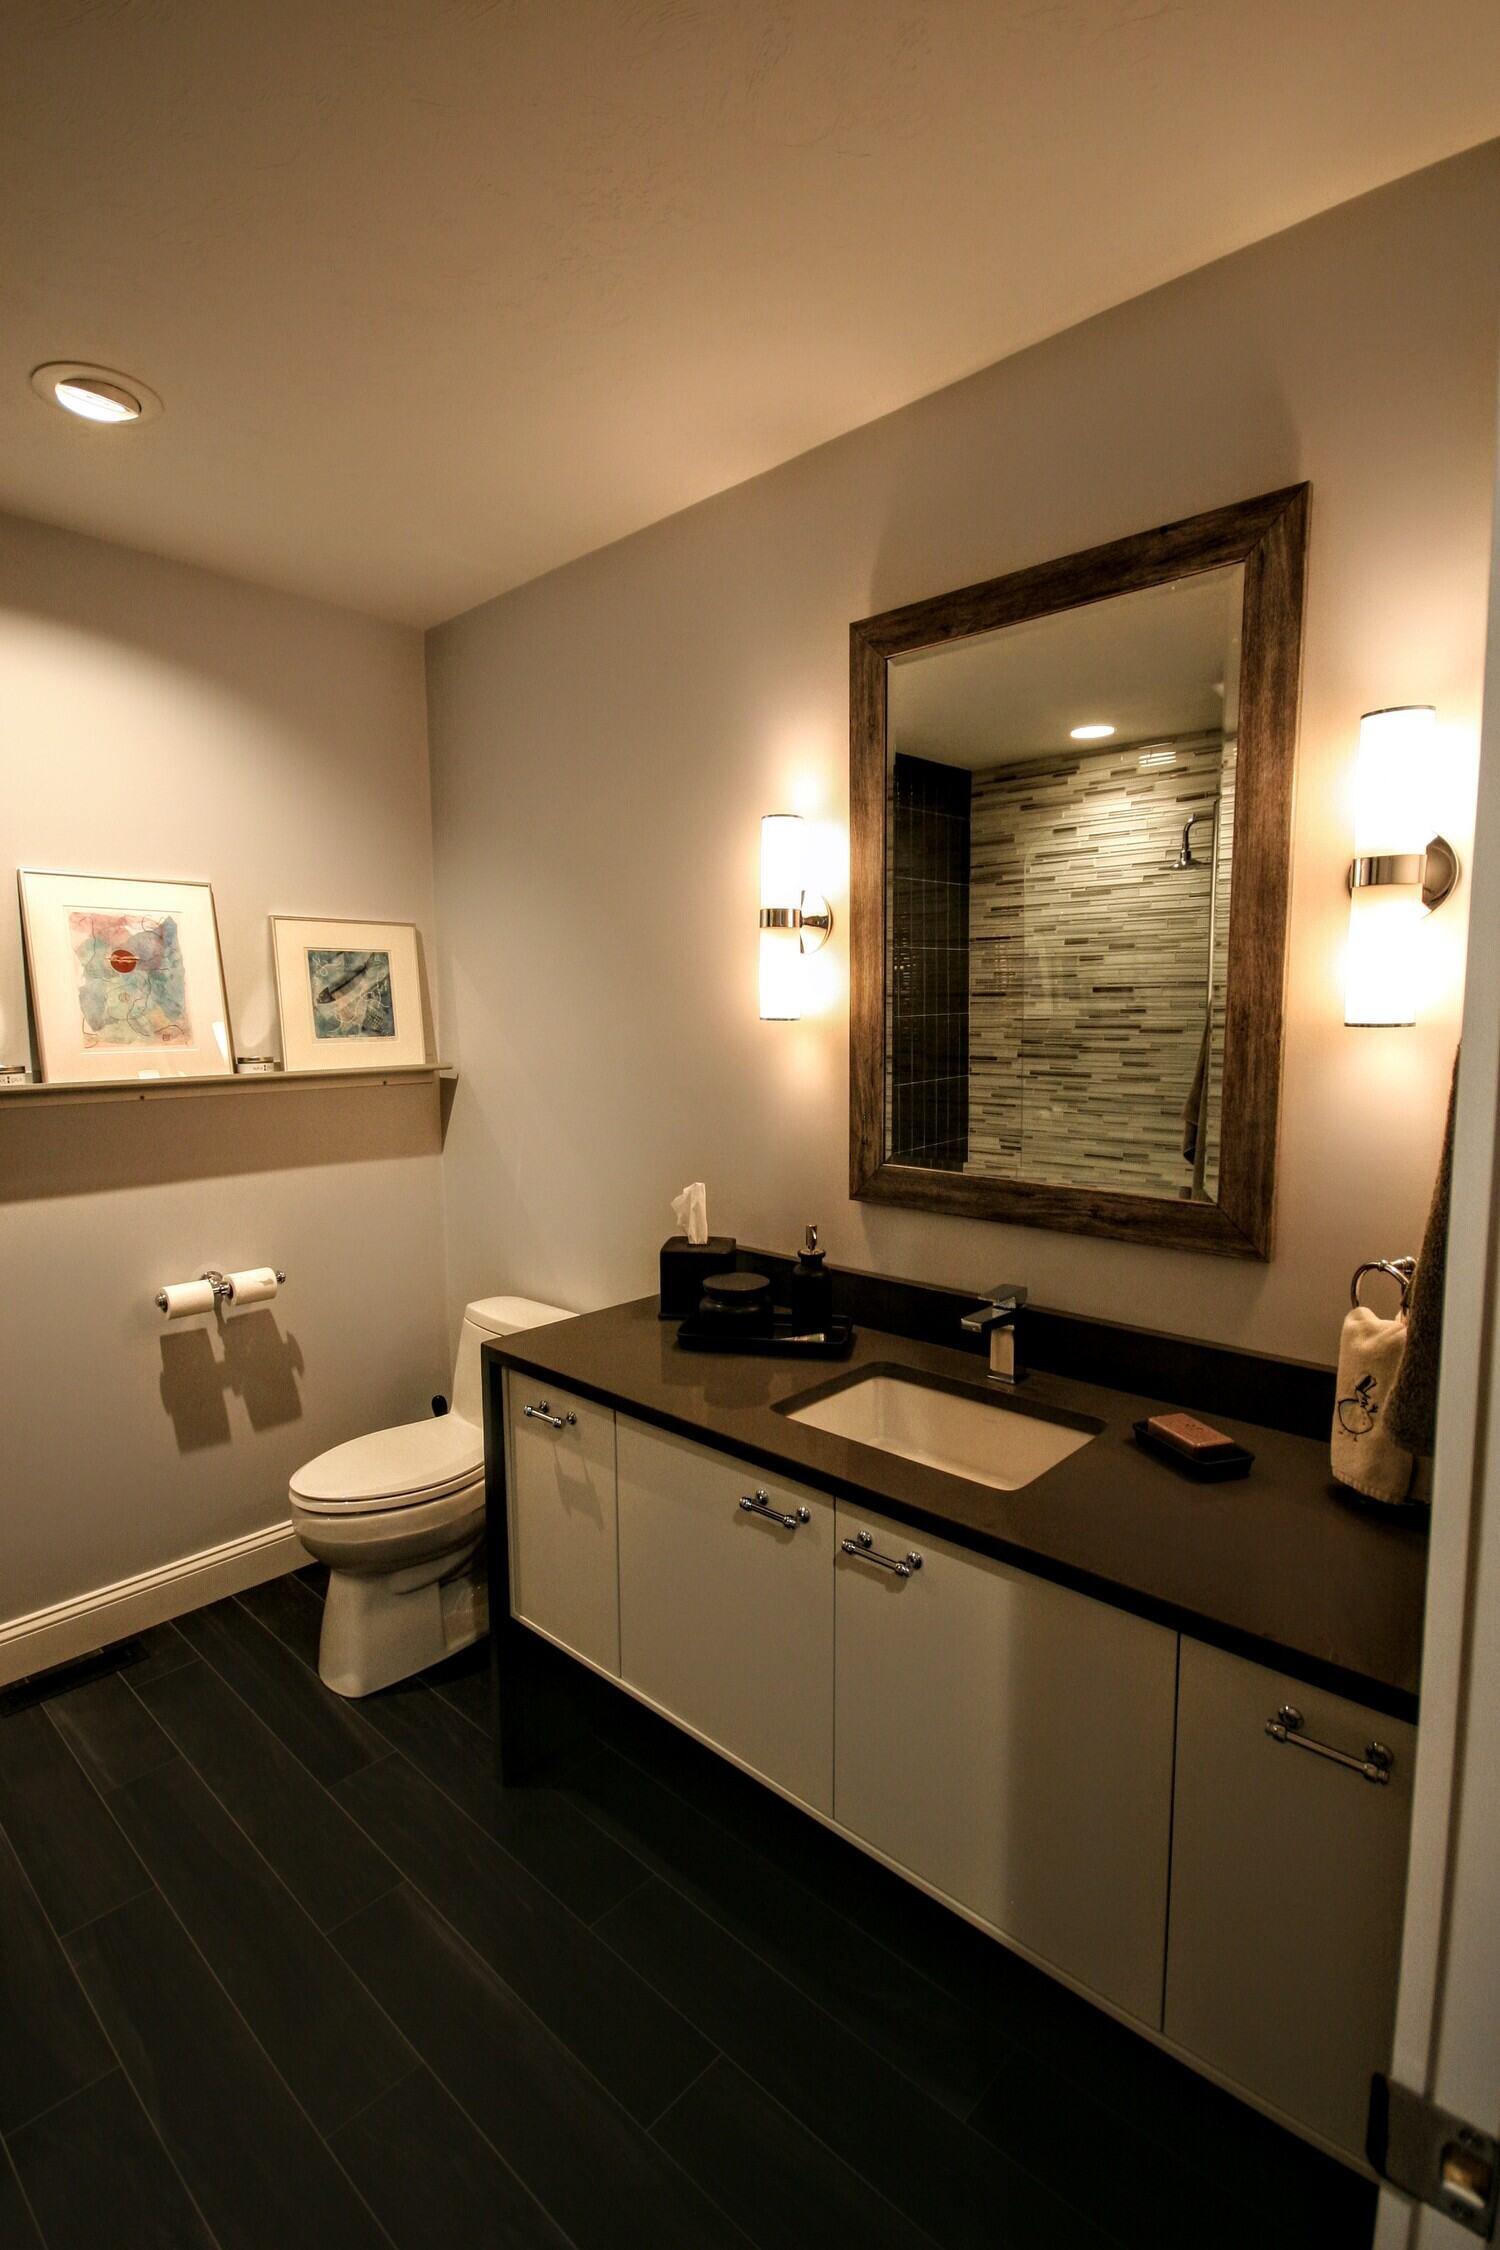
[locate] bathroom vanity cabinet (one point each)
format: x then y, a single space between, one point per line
1009 1743
726 1606
1288 1876
564 1544
1090 1785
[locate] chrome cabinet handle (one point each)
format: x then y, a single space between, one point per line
758 1503
1374 1766
539 1413
863 1548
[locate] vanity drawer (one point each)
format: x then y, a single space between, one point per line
1288 1880
1009 1742
564 1567
726 1610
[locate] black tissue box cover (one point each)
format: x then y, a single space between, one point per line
685 1266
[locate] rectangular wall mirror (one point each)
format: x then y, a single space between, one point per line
1071 810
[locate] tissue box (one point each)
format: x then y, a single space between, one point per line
684 1268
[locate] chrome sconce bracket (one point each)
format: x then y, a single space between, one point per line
812 920
1437 870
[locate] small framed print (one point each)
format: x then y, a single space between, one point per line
350 994
125 977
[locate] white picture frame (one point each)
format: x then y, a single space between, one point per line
125 976
349 994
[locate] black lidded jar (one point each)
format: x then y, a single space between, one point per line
739 1303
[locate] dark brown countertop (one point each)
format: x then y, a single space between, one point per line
1276 1566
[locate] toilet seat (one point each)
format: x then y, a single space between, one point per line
391 1469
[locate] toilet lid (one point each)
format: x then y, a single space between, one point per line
415 1461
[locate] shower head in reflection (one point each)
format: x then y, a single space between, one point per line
1185 848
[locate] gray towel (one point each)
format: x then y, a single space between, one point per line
1411 1416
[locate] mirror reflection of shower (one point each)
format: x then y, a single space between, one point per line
1185 849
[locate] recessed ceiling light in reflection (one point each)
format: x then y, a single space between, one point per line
1093 733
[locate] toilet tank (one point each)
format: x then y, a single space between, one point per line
491 1316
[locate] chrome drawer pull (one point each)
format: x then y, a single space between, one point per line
759 1504
1375 1765
539 1413
862 1547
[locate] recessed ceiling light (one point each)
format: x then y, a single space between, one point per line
1090 734
94 394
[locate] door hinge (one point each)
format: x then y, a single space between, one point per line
1434 2156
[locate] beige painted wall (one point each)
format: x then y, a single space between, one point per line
161 720
606 739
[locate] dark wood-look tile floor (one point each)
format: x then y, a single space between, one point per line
277 1969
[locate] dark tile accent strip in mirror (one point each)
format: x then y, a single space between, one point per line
1279 1394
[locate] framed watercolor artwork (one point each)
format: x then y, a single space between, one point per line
125 977
350 994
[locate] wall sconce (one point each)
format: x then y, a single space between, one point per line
793 920
1398 874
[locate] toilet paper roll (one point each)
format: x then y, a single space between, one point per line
253 1286
184 1297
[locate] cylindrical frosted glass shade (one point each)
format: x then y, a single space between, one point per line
1393 781
781 881
780 975
1380 973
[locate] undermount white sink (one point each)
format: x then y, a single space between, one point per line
986 1440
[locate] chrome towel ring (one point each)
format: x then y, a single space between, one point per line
1399 1269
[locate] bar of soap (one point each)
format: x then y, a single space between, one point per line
1200 1441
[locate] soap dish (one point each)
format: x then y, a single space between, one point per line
1235 1463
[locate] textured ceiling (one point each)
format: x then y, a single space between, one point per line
440 293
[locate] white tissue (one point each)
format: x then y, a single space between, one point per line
184 1297
253 1286
691 1211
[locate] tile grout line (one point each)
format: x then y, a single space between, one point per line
26 2203
229 1999
24 2124
914 2226
104 2033
716 2057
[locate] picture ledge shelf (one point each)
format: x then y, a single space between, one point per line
153 1089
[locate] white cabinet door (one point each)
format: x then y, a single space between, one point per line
726 1611
1288 1873
1010 1742
564 1573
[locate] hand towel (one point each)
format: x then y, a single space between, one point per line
1412 1419
1365 1455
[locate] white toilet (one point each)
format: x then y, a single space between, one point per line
398 1516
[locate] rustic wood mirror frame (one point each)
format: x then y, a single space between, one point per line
1269 536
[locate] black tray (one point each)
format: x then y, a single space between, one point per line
782 1340
1223 1466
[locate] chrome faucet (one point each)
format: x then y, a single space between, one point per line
1000 1315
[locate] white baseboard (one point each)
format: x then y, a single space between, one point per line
76 1628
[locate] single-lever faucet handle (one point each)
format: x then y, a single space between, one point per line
999 1318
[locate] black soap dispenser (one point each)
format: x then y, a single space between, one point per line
811 1289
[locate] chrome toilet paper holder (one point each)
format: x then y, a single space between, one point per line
221 1285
